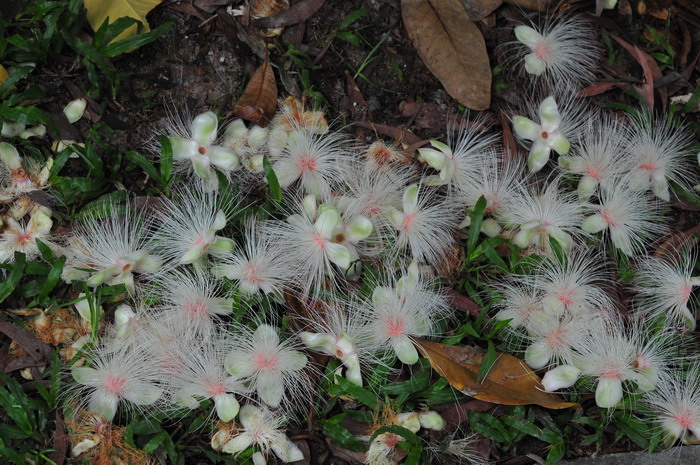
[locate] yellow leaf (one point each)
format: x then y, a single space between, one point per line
3 74
509 382
99 10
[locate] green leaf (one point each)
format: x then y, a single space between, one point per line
166 160
272 182
477 217
340 435
489 426
52 279
130 43
345 387
15 275
487 363
145 164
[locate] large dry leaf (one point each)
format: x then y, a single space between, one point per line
452 48
259 100
3 74
99 10
479 9
536 5
509 382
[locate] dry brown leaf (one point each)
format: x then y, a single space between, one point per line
479 9
452 48
509 382
259 100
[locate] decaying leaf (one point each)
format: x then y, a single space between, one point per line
301 11
452 48
259 100
3 74
479 9
535 5
509 382
99 10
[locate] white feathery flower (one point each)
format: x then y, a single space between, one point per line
194 149
369 193
202 376
315 239
192 298
425 225
676 403
120 373
273 368
21 237
608 355
340 332
545 135
665 287
262 429
189 226
537 216
246 143
630 218
318 161
572 283
562 50
519 301
599 156
108 246
260 266
400 311
458 161
553 338
656 351
659 152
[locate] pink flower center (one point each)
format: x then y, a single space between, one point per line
214 387
265 361
199 240
195 309
392 440
648 167
24 239
306 163
557 338
202 150
19 176
685 419
319 241
114 385
395 326
606 217
613 373
543 51
544 135
592 172
408 222
565 297
252 274
686 289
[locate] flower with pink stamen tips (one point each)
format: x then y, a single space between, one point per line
458 162
379 155
426 224
562 50
194 151
260 266
402 310
273 368
189 226
122 372
20 176
318 161
203 377
18 237
630 218
263 429
676 403
665 287
534 217
519 301
192 297
660 150
600 156
572 283
109 246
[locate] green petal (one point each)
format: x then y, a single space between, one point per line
550 119
527 35
525 128
534 65
204 128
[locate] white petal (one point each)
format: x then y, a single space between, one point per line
404 349
183 148
324 343
238 363
103 404
434 158
266 335
550 119
594 224
338 254
527 35
201 167
286 450
85 376
539 156
204 128
410 199
226 406
223 158
238 444
538 355
534 65
326 223
558 143
561 377
292 360
270 388
359 228
526 128
608 393
142 393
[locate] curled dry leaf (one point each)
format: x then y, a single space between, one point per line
509 382
535 5
259 100
452 48
300 12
